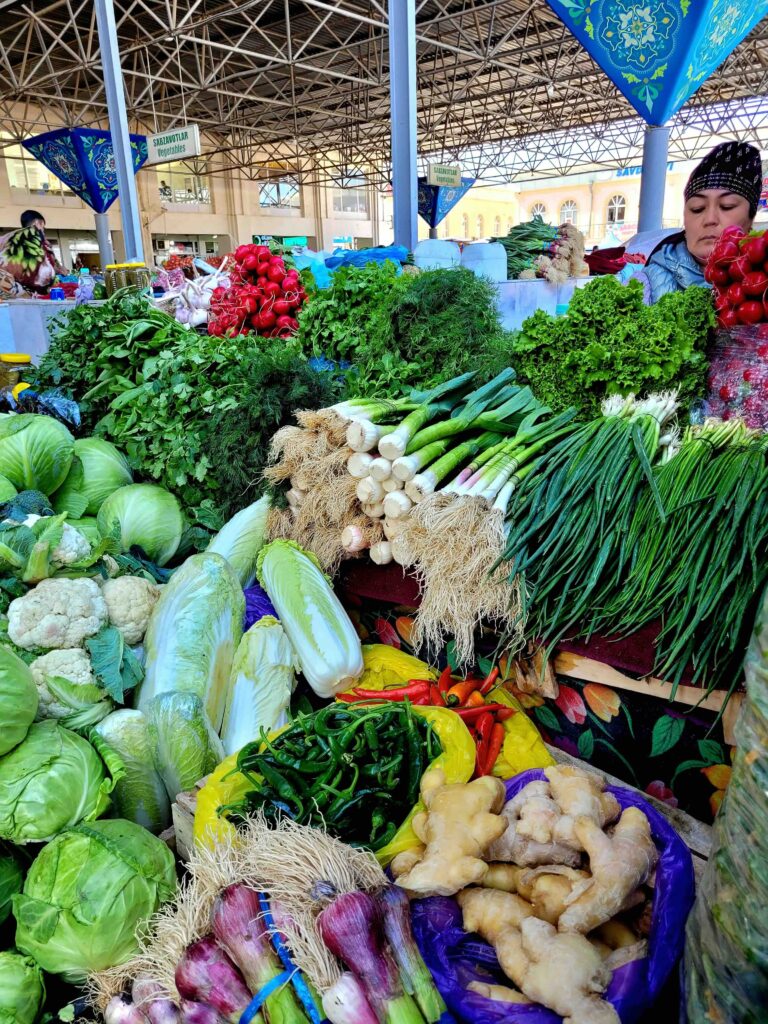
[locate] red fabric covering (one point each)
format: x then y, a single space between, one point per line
391 584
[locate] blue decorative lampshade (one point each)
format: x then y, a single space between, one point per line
437 201
658 52
84 160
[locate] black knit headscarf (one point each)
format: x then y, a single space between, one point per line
733 166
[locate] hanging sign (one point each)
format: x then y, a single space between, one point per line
178 144
444 175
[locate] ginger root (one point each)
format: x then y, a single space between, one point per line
549 891
490 912
619 864
406 860
563 972
522 850
503 876
579 793
460 822
500 993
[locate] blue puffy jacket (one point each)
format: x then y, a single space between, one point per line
670 268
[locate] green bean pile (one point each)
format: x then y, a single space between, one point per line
355 771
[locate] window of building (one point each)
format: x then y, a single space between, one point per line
180 183
479 226
539 210
443 228
465 226
28 175
617 208
351 196
568 212
497 227
284 193
510 224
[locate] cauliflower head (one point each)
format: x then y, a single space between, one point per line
72 547
72 664
130 600
58 613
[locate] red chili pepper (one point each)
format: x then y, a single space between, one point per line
444 681
458 693
421 701
484 729
472 714
347 698
436 698
489 681
494 748
418 688
504 714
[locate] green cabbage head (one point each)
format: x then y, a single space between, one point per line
87 893
18 700
35 452
148 516
21 989
11 879
52 780
7 490
97 470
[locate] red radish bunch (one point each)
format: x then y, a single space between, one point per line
737 269
264 296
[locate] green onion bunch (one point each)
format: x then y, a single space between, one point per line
568 517
701 567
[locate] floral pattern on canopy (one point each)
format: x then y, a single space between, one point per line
658 52
85 161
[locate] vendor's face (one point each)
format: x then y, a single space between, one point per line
707 214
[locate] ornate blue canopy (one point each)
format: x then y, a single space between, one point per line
658 52
84 160
436 202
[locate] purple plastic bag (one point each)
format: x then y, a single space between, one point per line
257 605
456 958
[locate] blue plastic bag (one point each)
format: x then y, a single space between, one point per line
308 260
456 958
257 605
346 258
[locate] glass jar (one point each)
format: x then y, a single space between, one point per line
127 275
12 365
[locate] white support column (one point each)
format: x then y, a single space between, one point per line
402 85
118 126
654 177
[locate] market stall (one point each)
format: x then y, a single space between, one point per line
373 583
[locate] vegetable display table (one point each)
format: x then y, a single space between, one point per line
24 324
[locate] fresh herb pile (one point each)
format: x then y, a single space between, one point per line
353 771
402 331
194 413
611 343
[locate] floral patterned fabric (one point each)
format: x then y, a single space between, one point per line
677 755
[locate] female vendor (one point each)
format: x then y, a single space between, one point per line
724 189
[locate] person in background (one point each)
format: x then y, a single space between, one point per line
724 189
26 246
33 219
165 190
